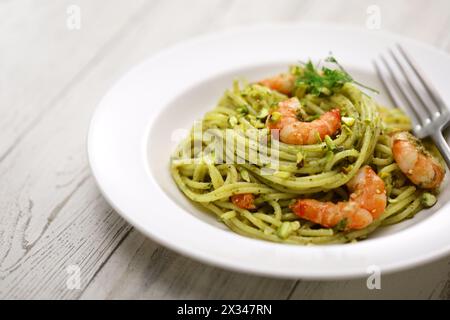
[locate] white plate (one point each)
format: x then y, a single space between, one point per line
134 128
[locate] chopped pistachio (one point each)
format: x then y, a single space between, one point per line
428 199
325 91
245 175
233 121
284 230
330 143
349 121
295 225
263 113
258 124
275 116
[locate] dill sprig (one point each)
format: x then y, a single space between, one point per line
326 80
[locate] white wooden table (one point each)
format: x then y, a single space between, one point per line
53 219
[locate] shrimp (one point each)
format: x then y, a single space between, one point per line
244 201
366 203
415 162
293 131
283 83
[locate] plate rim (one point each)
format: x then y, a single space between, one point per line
223 263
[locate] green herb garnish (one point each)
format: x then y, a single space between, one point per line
326 80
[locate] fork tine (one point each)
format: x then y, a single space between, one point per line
423 79
405 94
411 85
384 80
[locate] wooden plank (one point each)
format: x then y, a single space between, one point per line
81 236
52 216
47 166
133 265
425 282
141 269
55 217
41 58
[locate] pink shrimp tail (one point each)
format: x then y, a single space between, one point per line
330 215
367 202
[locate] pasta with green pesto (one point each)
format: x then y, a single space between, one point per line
232 151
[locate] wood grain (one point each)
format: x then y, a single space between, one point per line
425 282
41 58
51 213
144 270
44 269
44 166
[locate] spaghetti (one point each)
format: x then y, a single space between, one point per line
316 171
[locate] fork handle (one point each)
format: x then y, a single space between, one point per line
442 145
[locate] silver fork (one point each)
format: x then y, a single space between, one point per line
429 113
